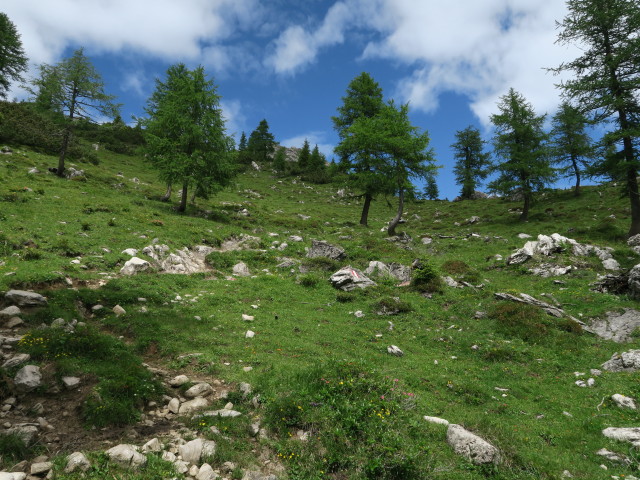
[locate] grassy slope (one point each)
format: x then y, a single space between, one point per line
300 327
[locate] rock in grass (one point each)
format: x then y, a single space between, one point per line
194 450
629 434
77 461
320 248
618 327
393 350
436 420
613 456
10 312
475 449
193 405
118 310
199 390
624 362
12 476
623 401
135 265
127 456
178 381
23 298
28 378
40 469
349 278
241 270
206 472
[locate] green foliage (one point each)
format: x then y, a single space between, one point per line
356 410
472 163
431 190
392 306
309 280
185 133
522 321
261 144
279 160
72 89
605 80
521 142
13 60
12 449
303 156
220 260
425 277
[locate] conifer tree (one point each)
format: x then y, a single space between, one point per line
261 143
279 160
431 190
13 61
571 146
363 100
472 163
606 80
520 142
304 156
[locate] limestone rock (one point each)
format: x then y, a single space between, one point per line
135 265
70 382
630 434
612 456
624 362
40 469
23 298
393 350
127 456
320 248
178 381
16 360
25 431
193 405
206 473
194 450
28 378
185 261
623 401
174 405
617 326
199 390
118 310
9 312
241 270
77 461
132 252
471 446
225 413
12 476
634 282
436 420
152 445
349 278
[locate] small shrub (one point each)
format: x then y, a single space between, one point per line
85 227
309 280
345 297
392 306
12 448
32 254
220 260
461 270
321 263
518 320
426 278
112 222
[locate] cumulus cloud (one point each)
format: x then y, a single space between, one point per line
162 28
296 47
478 49
314 138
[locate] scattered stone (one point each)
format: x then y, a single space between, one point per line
349 278
225 413
624 362
612 456
26 432
174 405
472 220
250 334
617 326
22 298
77 461
247 318
118 310
17 359
359 314
193 405
28 378
547 270
623 401
393 350
206 472
241 270
185 261
152 445
179 381
40 469
471 446
132 252
199 390
320 248
10 312
611 264
127 456
192 451
134 266
70 382
630 434
437 420
528 299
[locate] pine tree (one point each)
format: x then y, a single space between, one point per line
303 157
571 146
185 133
431 190
472 164
261 144
279 160
74 89
521 142
606 80
242 146
363 100
13 61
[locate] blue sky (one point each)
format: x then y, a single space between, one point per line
290 61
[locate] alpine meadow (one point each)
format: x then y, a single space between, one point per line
180 299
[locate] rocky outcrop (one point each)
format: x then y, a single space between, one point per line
135 265
395 270
475 449
623 362
23 298
183 261
320 248
617 326
349 278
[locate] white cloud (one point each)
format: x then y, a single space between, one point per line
296 48
478 49
314 138
136 82
162 28
235 119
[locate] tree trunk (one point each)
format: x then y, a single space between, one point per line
391 231
576 191
63 151
365 209
525 209
193 195
183 200
167 196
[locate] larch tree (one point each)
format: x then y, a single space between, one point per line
13 61
571 146
304 155
472 162
431 190
401 151
520 142
279 160
185 133
605 80
261 144
363 100
74 89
